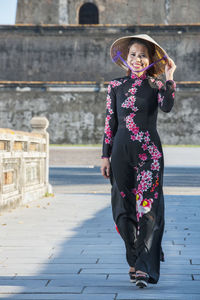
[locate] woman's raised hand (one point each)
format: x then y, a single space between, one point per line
170 67
105 167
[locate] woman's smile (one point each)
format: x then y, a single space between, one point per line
138 58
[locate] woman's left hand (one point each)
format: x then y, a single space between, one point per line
170 67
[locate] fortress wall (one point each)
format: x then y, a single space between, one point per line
110 11
76 111
81 53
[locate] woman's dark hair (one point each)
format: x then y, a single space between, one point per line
151 51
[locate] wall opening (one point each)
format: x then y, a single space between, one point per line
88 14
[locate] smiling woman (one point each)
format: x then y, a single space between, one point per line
132 142
138 57
8 12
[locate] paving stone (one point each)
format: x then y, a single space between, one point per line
155 296
168 287
67 279
59 296
22 283
71 250
166 277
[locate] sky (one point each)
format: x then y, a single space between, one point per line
7 12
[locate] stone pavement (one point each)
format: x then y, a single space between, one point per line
66 247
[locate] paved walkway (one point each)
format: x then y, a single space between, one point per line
90 156
66 248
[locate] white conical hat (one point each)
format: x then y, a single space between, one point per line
121 45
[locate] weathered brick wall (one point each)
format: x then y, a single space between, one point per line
78 53
76 112
110 11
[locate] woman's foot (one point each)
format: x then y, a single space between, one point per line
132 275
142 279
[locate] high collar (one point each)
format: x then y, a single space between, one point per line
134 76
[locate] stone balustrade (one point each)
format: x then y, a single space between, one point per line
24 164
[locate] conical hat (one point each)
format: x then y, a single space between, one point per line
121 45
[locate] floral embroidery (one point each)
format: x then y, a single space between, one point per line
129 103
122 194
148 166
108 131
153 150
132 91
160 99
146 202
155 165
109 89
156 195
138 82
155 185
144 147
108 104
145 181
144 178
143 156
115 83
146 139
159 84
117 228
143 206
134 76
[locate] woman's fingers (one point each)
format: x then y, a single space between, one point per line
170 67
105 168
108 171
170 64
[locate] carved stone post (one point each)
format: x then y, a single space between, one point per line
39 125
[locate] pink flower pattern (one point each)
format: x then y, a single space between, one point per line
159 84
108 105
160 99
108 131
122 194
144 178
147 180
143 156
115 83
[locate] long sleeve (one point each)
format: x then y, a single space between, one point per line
166 94
110 122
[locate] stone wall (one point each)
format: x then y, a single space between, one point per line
81 53
132 12
24 164
76 112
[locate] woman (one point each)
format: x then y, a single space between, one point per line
132 142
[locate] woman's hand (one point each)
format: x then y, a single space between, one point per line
105 167
170 67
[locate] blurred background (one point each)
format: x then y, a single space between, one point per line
8 11
54 62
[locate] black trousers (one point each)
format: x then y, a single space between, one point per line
142 240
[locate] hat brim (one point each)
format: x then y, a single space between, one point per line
121 45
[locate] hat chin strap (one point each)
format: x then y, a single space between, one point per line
118 56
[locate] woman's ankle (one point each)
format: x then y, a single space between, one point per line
138 272
132 269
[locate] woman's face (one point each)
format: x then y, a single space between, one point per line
138 58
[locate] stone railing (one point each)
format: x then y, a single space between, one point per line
24 164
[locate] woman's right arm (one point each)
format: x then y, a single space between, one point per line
109 131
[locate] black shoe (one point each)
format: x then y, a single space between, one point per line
132 276
142 280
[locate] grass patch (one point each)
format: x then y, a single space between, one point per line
75 145
99 145
48 194
185 146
